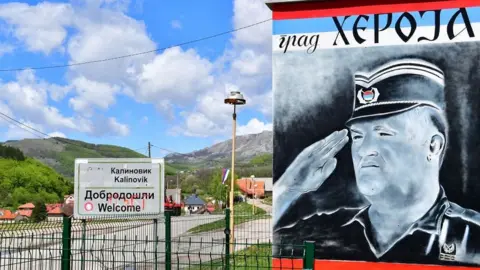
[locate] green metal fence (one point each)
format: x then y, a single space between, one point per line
180 242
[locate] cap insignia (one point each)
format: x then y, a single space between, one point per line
368 95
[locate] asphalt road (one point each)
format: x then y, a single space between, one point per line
124 245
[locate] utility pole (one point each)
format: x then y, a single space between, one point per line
149 152
235 98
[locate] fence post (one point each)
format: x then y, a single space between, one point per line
168 241
84 239
309 257
155 235
227 239
66 242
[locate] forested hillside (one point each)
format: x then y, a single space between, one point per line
24 179
60 153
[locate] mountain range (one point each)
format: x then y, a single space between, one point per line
60 153
246 148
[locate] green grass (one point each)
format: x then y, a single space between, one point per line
243 213
20 226
28 225
267 200
258 256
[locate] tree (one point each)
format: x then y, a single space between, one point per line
216 189
189 184
261 160
39 213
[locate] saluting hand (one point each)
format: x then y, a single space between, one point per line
308 171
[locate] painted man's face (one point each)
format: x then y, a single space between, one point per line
389 154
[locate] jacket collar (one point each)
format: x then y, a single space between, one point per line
430 222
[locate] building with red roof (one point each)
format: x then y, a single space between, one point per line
6 215
252 186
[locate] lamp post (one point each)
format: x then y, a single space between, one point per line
235 98
254 195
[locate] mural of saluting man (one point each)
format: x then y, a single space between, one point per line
398 134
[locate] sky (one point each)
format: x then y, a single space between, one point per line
172 98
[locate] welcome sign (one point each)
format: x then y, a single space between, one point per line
376 111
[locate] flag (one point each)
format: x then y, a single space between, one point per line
225 173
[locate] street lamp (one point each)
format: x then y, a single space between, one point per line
254 195
235 98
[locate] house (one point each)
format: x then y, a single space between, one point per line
268 186
54 211
68 198
250 187
25 210
193 203
7 215
210 207
27 206
258 186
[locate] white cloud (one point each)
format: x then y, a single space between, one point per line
40 27
250 72
213 106
120 5
58 92
247 12
173 77
250 63
254 126
26 99
6 48
117 128
16 132
57 134
109 126
92 94
30 97
263 102
210 117
4 109
176 24
198 125
105 33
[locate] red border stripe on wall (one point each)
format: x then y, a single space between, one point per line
303 10
280 264
344 265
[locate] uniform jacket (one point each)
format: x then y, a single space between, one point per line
447 234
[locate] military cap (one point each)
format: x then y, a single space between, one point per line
397 86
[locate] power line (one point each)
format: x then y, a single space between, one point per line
140 53
10 122
170 151
186 155
27 127
22 125
46 136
